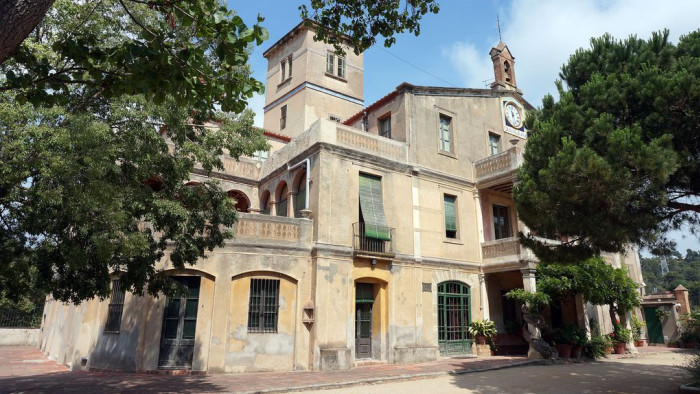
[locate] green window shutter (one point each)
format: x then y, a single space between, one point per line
373 208
450 213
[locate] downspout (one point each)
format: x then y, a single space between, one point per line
307 165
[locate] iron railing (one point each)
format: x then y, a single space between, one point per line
363 243
13 317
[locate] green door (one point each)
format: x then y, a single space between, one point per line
656 334
453 318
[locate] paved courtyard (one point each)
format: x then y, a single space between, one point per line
25 369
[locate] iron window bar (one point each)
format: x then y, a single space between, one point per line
263 305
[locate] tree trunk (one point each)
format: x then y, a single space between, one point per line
17 19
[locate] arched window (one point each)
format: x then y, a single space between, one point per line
454 317
506 70
265 203
282 199
242 201
300 198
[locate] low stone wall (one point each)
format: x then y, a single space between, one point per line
19 336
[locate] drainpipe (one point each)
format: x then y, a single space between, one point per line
307 164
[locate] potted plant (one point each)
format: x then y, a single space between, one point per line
620 336
564 338
580 340
482 330
637 326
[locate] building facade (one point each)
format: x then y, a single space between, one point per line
367 235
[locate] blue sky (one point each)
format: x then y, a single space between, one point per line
452 49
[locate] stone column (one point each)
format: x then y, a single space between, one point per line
530 285
291 196
529 282
485 315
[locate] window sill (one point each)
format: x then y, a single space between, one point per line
448 154
455 241
110 332
341 79
285 82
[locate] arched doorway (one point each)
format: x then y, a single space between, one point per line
454 317
179 326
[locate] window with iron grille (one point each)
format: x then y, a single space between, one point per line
116 307
263 305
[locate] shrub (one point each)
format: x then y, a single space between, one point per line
536 302
596 347
620 334
637 326
486 328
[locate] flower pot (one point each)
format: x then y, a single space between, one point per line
576 351
640 343
564 350
480 340
609 350
619 347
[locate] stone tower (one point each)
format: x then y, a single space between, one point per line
503 68
307 81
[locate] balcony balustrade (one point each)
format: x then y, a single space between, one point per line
498 168
365 246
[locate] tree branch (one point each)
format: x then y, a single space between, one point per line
680 206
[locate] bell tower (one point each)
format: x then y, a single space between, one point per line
503 68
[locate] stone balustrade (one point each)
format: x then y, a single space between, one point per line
498 165
500 248
265 229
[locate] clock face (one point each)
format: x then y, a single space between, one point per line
513 115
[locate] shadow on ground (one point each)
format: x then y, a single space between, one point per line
85 382
594 377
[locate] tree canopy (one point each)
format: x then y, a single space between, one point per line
105 109
614 161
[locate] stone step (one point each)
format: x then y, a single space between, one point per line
367 363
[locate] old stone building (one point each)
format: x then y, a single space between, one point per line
366 234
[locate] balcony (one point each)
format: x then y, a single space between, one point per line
372 248
326 132
504 253
498 169
265 230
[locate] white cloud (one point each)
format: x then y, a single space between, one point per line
256 104
542 34
474 69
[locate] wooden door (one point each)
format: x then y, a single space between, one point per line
179 324
363 330
364 301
